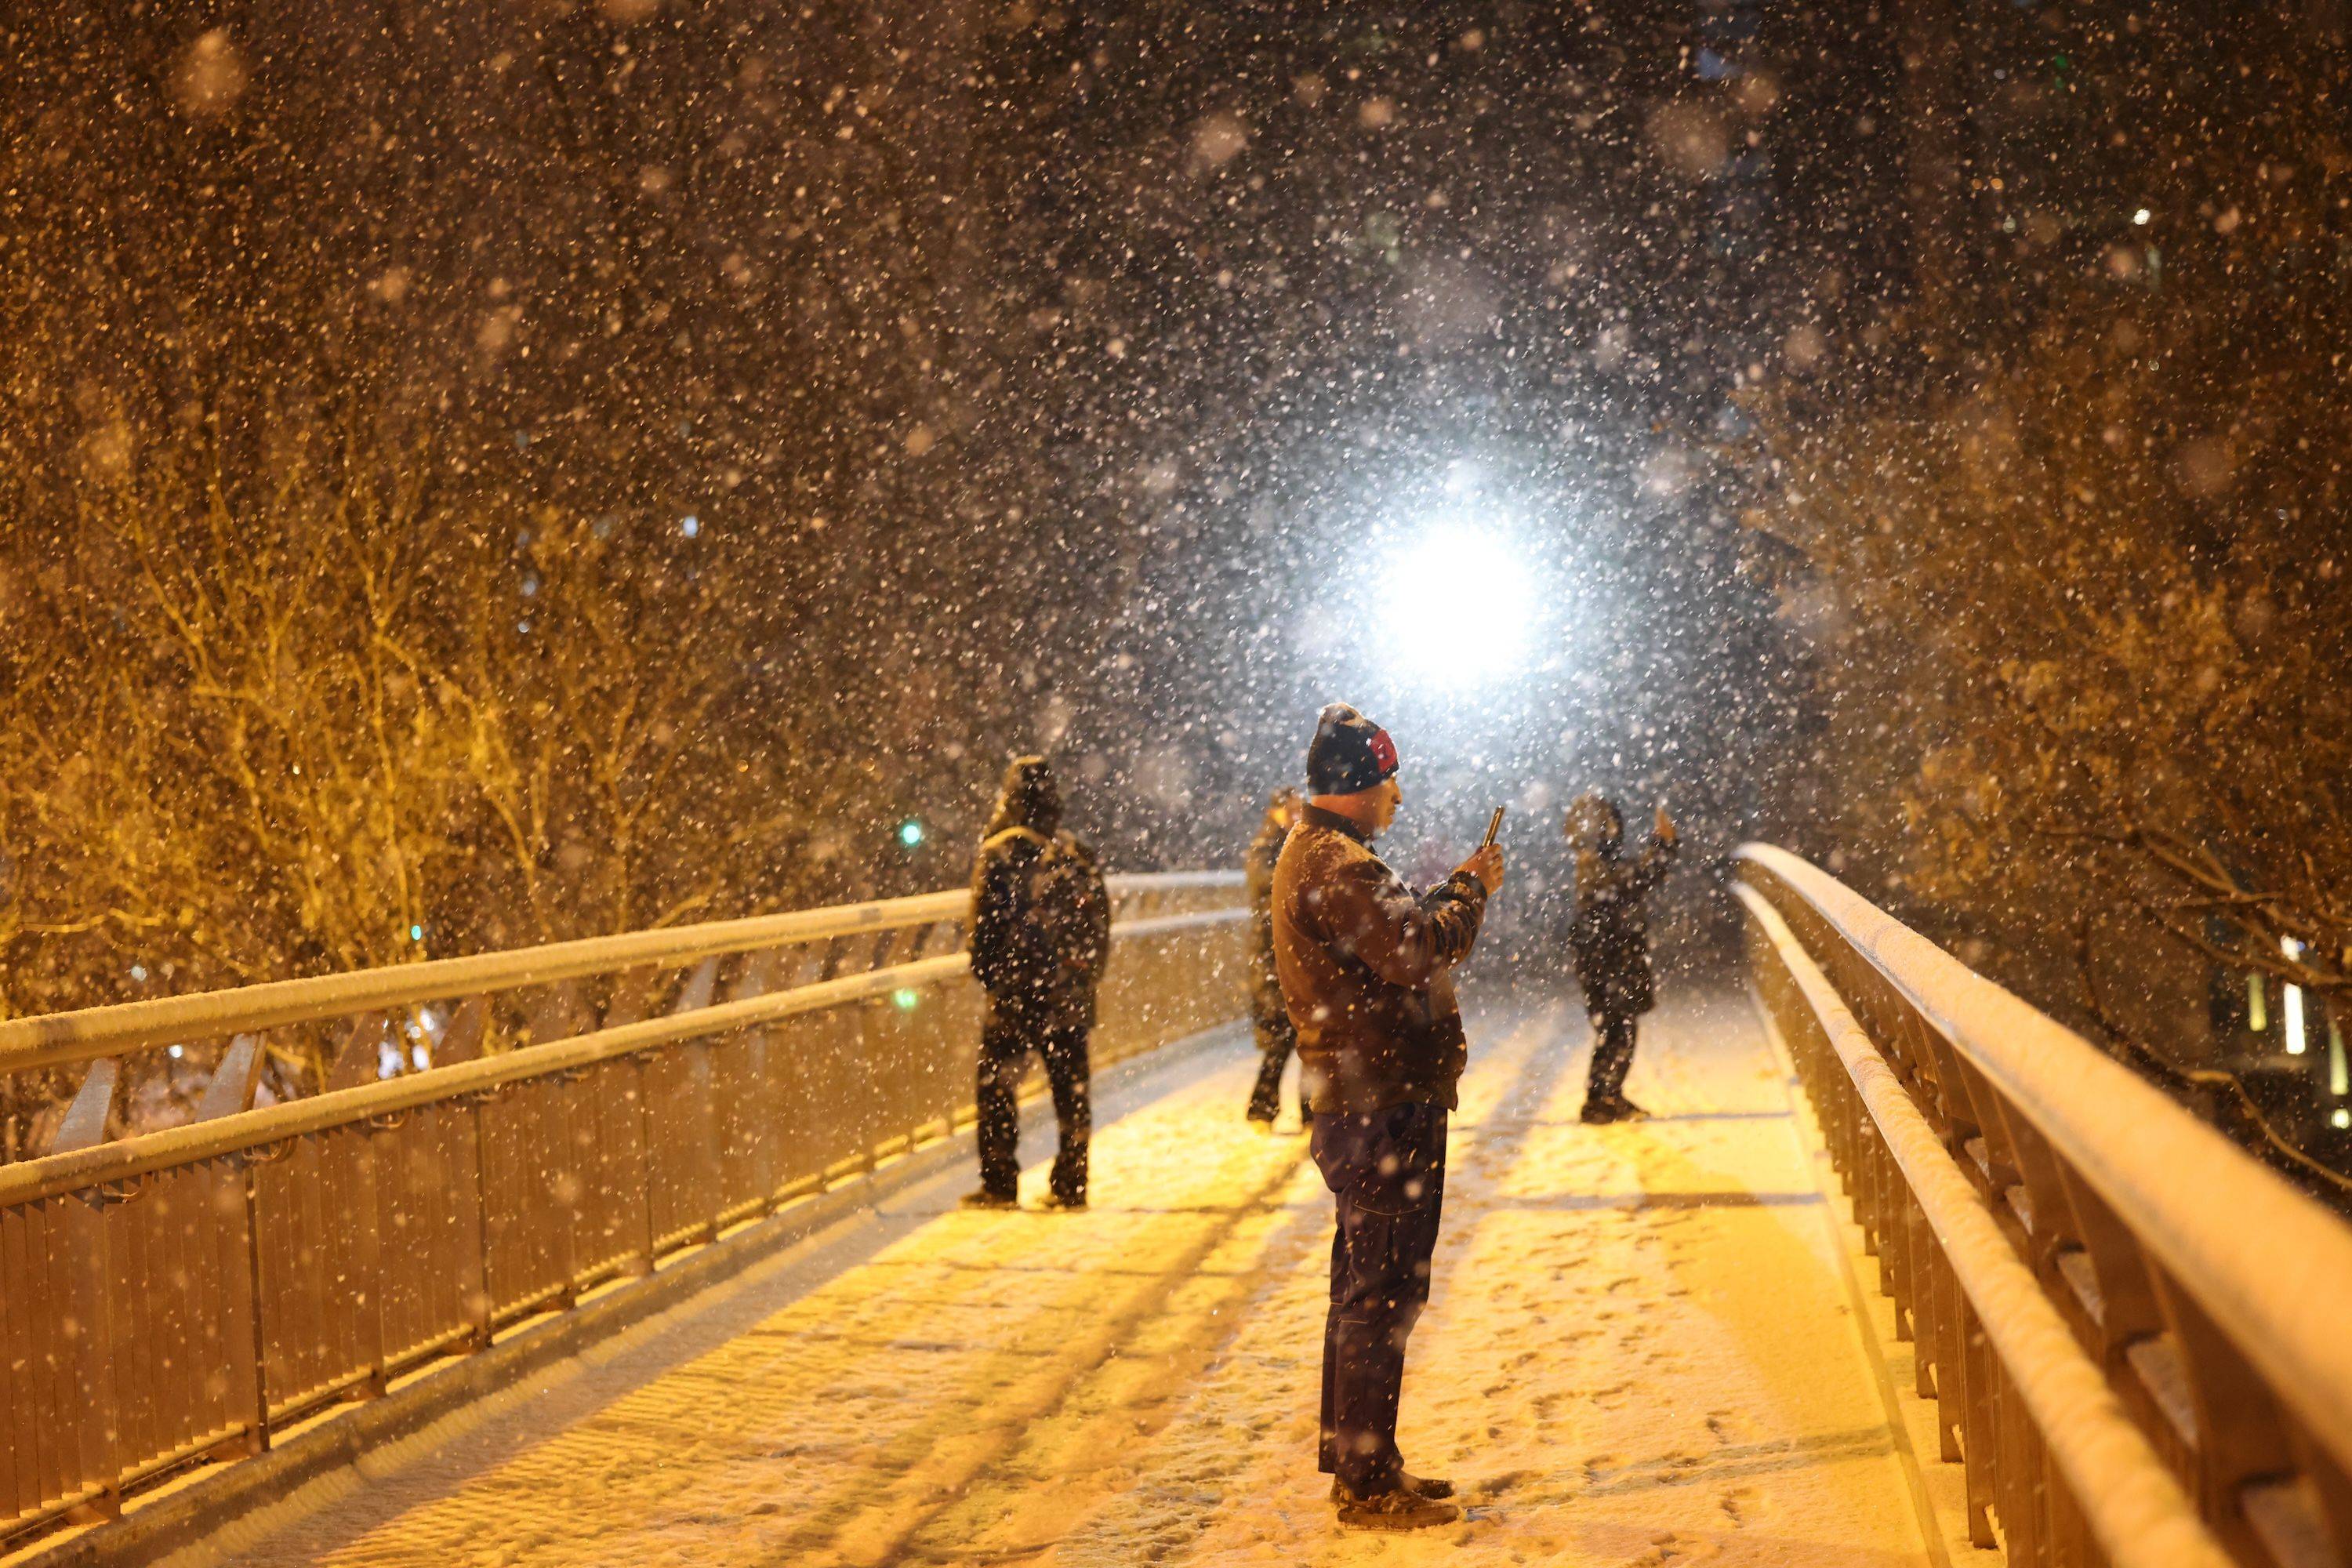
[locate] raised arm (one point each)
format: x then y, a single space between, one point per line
1656 859
1367 914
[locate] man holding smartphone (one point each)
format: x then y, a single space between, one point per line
1366 967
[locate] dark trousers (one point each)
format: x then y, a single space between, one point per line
1006 1039
1275 1040
1613 1055
1387 1170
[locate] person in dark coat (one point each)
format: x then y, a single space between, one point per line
1275 1038
1611 942
1040 934
1366 966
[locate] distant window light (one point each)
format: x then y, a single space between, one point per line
2290 1003
2340 1118
691 526
175 1052
2258 1009
139 973
2142 216
422 1056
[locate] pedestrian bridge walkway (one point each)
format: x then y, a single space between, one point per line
641 1250
1643 1347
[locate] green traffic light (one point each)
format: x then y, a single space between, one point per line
910 833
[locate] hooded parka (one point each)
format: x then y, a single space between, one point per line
1040 913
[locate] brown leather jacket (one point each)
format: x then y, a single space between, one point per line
1367 970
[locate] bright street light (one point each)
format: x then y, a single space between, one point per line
1454 607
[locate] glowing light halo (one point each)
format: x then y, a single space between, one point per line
1454 606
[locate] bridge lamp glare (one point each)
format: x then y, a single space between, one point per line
1456 607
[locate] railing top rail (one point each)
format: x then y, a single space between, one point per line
56 1038
2134 1506
2265 1262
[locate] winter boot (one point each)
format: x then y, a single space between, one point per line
1419 1486
1394 1510
984 1199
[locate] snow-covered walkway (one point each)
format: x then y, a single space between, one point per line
1640 1352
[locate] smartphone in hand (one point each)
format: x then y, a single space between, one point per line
1493 826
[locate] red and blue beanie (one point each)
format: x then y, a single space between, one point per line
1349 752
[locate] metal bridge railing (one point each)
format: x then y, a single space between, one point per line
2132 1329
183 1294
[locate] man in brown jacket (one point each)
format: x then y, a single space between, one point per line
1366 968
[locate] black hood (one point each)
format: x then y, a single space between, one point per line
1594 823
1028 798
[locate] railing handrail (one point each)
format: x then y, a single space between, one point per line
2255 1253
126 1159
190 1295
2134 1505
56 1039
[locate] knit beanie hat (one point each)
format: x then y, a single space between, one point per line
1349 752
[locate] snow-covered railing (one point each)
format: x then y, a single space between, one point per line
2151 1368
589 1109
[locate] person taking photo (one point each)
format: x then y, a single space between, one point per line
1366 967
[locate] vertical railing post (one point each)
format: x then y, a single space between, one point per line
92 1329
484 1301
90 1320
621 1082
648 1236
367 1247
249 1179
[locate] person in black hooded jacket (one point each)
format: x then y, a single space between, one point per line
1040 934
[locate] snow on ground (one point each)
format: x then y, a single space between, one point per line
1640 1352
